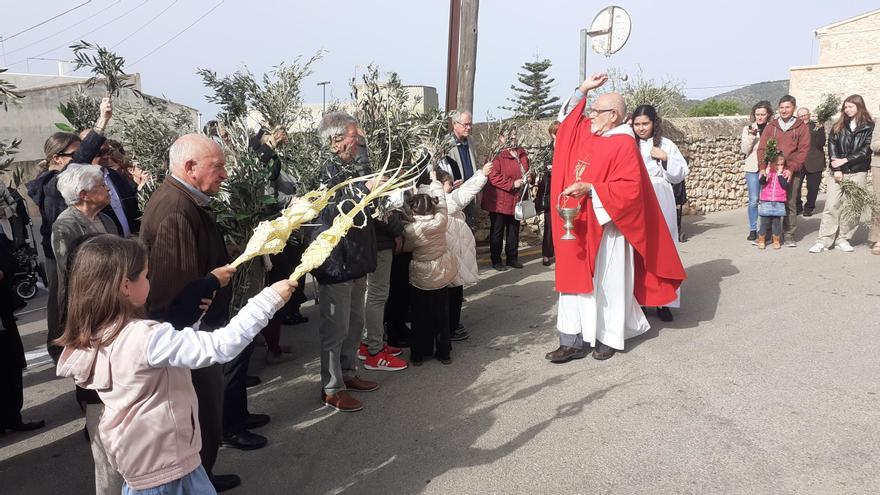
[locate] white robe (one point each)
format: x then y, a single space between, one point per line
610 314
662 180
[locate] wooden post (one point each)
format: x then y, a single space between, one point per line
452 55
467 57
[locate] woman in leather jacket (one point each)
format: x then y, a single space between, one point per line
849 148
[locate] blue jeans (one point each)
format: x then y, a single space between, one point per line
195 483
753 183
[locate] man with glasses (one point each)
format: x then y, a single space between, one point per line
460 160
123 208
623 256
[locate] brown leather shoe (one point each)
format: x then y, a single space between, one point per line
777 242
603 352
342 401
357 384
565 354
762 241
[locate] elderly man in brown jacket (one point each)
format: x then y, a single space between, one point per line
874 236
184 245
815 164
792 140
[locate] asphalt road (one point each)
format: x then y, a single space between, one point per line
766 382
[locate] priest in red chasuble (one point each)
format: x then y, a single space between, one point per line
624 256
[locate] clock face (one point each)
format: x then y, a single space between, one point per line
610 30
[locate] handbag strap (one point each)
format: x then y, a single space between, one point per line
522 172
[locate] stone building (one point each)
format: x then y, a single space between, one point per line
849 62
33 119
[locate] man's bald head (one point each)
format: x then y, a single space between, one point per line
199 161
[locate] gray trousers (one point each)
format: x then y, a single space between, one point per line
573 340
789 221
342 321
53 316
378 284
107 480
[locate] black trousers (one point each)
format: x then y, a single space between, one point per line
547 250
235 410
814 180
456 299
430 324
208 384
397 307
503 232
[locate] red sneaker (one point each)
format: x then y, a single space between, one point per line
364 352
384 362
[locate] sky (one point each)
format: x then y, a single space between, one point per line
707 47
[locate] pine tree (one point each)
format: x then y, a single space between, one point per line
533 100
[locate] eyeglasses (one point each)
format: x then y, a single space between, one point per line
464 125
66 154
594 111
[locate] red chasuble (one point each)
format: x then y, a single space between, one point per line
613 165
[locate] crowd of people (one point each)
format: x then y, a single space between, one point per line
162 342
775 183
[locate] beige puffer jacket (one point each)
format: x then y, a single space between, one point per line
433 266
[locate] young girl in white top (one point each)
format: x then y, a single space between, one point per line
140 368
461 242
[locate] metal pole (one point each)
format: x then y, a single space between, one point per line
323 85
585 38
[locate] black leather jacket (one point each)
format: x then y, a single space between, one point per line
355 255
852 145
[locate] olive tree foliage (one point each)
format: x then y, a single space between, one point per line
396 131
665 95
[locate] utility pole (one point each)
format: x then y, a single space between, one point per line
467 57
452 55
323 85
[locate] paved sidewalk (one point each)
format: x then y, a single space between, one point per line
766 382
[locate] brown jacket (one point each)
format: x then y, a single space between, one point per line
816 156
793 143
185 244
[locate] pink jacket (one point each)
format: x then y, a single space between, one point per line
774 188
150 425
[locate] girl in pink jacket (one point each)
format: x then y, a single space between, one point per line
141 368
771 206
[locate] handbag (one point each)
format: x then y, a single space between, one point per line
525 208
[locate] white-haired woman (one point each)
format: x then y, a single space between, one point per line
86 194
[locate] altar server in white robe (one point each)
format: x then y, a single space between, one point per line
666 167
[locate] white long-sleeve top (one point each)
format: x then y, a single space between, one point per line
189 348
676 166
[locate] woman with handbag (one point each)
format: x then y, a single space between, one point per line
507 189
666 167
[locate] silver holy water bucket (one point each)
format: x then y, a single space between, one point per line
568 215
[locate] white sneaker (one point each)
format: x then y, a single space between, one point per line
818 248
844 246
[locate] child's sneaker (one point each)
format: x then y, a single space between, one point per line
364 351
384 362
